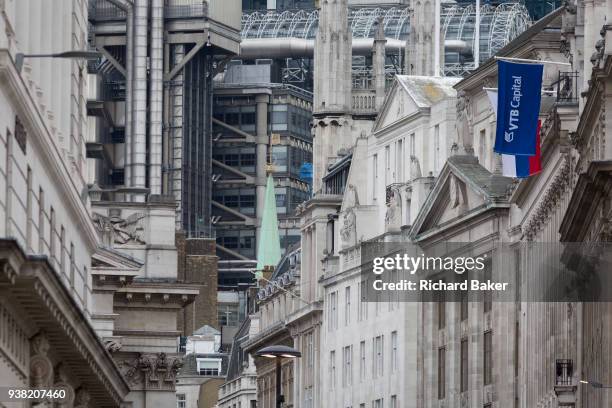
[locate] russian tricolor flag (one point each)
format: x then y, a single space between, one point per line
520 166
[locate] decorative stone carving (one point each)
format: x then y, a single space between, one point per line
151 371
62 381
82 398
352 199
41 368
117 230
415 168
464 123
393 217
549 201
348 231
112 346
457 192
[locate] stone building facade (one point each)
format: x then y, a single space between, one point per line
47 237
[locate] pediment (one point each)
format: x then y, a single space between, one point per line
110 260
397 106
464 188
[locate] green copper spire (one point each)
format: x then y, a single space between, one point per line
269 251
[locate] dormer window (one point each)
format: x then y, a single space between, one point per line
209 366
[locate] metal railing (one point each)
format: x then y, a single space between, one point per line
564 372
112 90
185 8
102 10
567 86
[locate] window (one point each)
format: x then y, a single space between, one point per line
464 312
209 366
488 295
52 235
363 305
62 250
72 264
393 403
332 368
437 148
362 360
347 367
21 136
441 314
488 363
41 221
347 305
441 373
310 349
374 175
181 401
516 348
399 161
482 148
387 165
377 403
464 365
333 311
394 356
377 356
412 145
29 211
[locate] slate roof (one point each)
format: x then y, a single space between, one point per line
190 364
236 356
493 186
427 91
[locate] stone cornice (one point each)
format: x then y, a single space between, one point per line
548 202
593 186
53 310
32 118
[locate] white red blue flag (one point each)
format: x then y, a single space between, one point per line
520 166
519 89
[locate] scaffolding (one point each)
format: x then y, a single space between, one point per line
498 26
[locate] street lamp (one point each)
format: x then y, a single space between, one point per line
87 55
595 384
278 352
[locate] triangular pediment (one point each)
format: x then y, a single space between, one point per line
109 260
463 189
397 106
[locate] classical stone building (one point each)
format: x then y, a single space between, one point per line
47 238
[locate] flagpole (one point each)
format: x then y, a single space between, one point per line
477 36
531 61
542 91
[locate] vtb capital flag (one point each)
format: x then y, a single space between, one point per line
518 107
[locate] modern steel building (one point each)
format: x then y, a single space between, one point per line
254 126
155 98
286 37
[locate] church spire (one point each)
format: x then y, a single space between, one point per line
269 250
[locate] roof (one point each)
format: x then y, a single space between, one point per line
236 358
427 91
190 364
206 330
269 250
493 188
474 174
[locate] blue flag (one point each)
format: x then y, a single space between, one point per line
518 107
